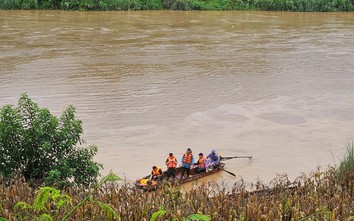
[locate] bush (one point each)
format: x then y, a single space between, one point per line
41 147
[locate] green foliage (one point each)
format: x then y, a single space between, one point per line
306 5
45 193
347 163
318 196
79 4
50 202
111 214
151 4
18 4
40 146
111 177
242 4
345 171
159 213
267 5
104 5
199 217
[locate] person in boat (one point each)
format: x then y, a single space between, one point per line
147 182
171 163
213 159
187 161
156 173
201 164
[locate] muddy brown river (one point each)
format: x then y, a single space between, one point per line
275 85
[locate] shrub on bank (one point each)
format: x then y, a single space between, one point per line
104 5
40 147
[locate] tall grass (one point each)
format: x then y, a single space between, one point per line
317 196
267 5
347 163
345 171
321 195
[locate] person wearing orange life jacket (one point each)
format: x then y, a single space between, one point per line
171 163
187 162
156 173
202 164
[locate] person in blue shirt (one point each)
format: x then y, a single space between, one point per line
187 161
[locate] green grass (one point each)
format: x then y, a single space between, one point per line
345 171
348 162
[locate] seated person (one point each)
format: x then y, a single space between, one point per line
156 173
147 182
202 164
214 159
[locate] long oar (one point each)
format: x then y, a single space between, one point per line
229 158
226 171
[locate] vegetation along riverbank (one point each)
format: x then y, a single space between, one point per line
45 176
118 5
322 195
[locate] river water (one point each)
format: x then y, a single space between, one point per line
277 86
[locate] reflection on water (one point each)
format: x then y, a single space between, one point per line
278 86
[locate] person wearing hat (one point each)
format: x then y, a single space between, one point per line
187 161
202 164
213 159
171 164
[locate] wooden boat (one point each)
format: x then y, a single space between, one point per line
178 180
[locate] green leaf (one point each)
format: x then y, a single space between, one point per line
198 217
22 205
161 213
45 217
111 177
108 209
43 197
64 199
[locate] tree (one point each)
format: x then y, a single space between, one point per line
40 146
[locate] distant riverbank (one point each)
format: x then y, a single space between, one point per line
124 5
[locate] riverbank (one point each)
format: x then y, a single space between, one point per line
124 5
322 195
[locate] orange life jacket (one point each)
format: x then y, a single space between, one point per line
201 162
187 159
156 172
171 162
